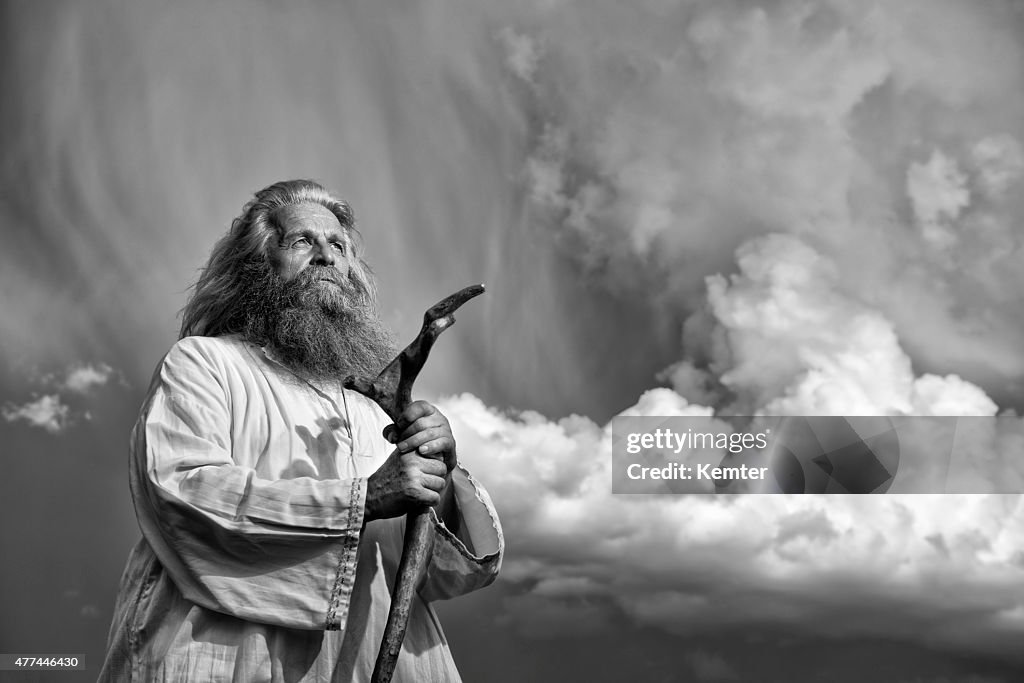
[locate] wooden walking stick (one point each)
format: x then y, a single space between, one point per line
392 391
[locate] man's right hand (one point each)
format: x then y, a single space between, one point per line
404 483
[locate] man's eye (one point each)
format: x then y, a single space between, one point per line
340 246
301 242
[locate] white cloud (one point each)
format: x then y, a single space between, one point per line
47 412
832 565
80 379
796 344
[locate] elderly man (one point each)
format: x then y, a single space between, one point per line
271 500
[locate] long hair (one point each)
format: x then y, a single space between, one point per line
212 308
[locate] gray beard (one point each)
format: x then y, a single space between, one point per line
317 329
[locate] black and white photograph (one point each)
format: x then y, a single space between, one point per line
555 340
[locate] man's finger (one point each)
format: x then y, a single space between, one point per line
420 425
436 447
422 437
425 465
433 482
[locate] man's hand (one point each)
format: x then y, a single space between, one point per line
405 481
413 476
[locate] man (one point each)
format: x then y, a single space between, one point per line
270 499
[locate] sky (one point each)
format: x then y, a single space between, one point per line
678 208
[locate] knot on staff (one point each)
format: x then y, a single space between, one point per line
392 391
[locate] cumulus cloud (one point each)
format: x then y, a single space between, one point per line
834 566
796 344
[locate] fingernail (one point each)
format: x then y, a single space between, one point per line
402 446
424 449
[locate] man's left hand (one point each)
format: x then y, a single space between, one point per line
424 429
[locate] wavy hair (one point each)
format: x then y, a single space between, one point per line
212 309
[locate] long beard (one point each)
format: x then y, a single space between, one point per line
315 323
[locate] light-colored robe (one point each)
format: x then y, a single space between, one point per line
255 564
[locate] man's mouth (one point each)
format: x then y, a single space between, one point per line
313 280
327 277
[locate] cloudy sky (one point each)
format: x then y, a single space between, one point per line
679 208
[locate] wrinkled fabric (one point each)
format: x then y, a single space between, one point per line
255 563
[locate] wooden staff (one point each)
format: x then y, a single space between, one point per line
392 391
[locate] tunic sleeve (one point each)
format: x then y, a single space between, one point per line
275 552
468 561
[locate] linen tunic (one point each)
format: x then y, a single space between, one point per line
255 563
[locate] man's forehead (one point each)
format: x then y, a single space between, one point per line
307 216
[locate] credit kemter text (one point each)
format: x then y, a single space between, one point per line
680 471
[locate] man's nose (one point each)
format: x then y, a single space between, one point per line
324 254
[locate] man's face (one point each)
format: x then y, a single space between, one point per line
303 302
311 236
